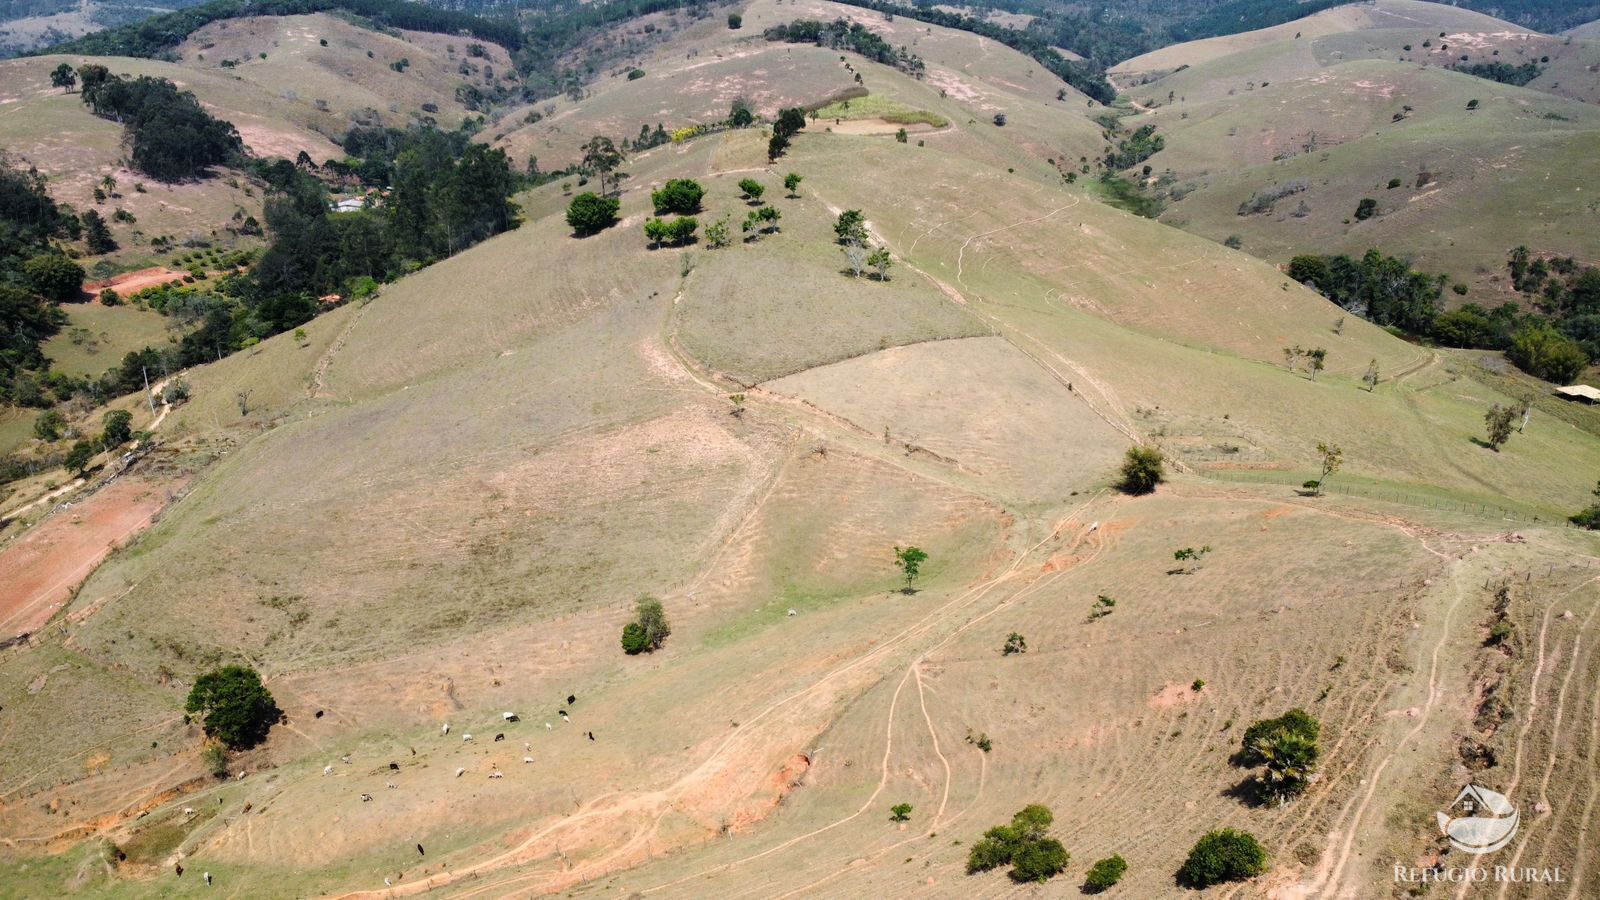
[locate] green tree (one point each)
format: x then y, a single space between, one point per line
880 261
63 77
1296 721
1366 209
680 195
791 183
1287 758
79 456
790 121
735 21
649 628
900 812
1142 469
717 235
1332 458
1225 855
600 158
54 277
1316 361
118 429
1104 874
900 136
655 231
1498 421
851 227
909 561
590 213
1015 643
233 706
762 221
682 229
96 234
751 189
1038 861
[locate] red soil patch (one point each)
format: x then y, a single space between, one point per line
39 571
134 282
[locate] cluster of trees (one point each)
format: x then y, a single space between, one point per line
116 429
1137 147
1555 342
34 278
1505 73
841 34
171 134
446 193
1024 845
648 630
1033 43
851 231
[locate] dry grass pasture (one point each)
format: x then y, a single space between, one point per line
1344 108
443 504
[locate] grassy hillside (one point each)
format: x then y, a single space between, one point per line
441 505
1339 113
333 71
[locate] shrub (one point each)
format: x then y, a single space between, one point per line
1366 209
176 392
735 21
216 760
590 213
634 641
635 74
851 227
900 812
1039 861
1015 643
1104 874
680 195
1225 855
1142 469
233 706
751 189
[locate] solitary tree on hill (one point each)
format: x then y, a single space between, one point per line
233 706
1498 422
791 182
1142 469
1332 458
909 560
589 213
751 190
601 157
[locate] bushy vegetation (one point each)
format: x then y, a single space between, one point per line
680 195
1142 469
841 34
648 630
1104 874
1589 517
171 134
1137 147
1023 845
29 220
233 706
1220 856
